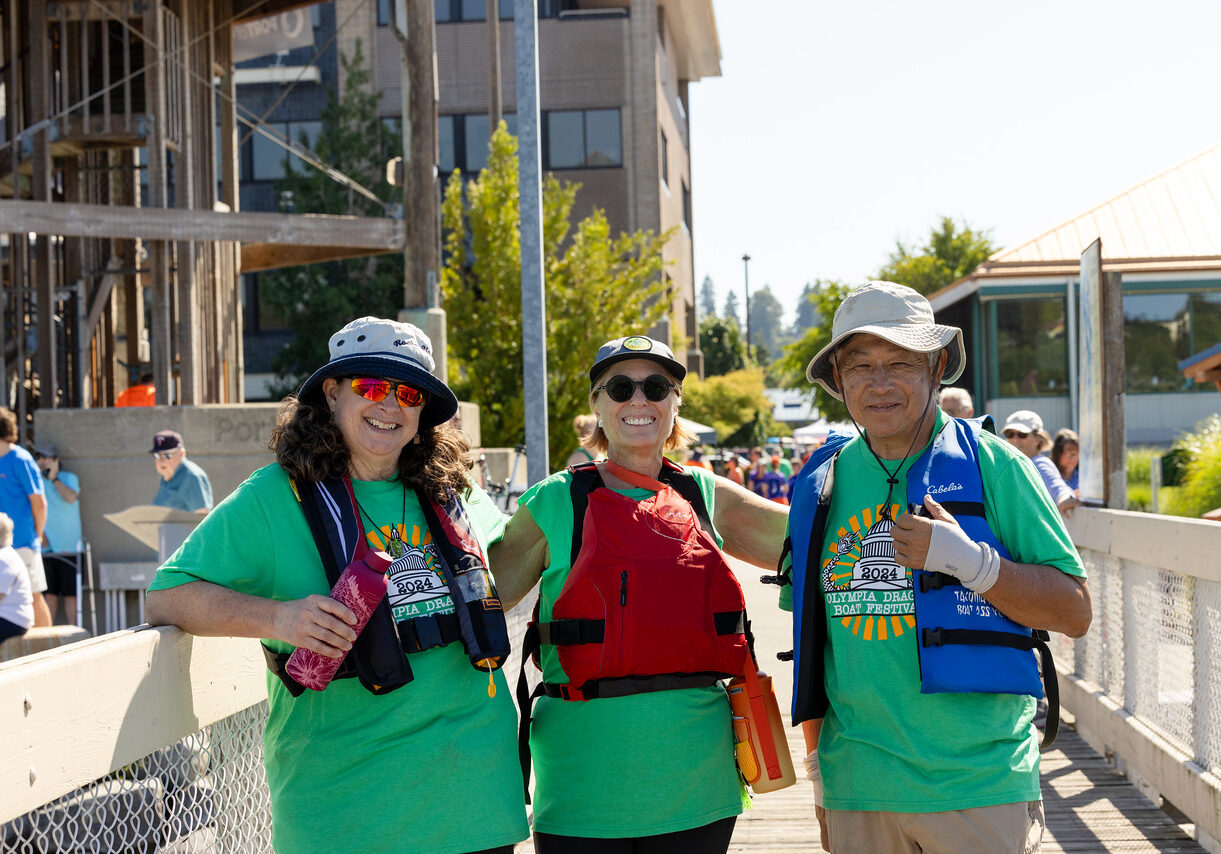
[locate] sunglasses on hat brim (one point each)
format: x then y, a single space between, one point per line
1014 434
374 389
620 388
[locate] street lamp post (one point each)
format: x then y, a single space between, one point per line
746 277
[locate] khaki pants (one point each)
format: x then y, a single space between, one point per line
1002 829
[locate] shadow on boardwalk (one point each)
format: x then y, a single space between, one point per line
1090 807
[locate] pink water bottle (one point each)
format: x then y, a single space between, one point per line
361 587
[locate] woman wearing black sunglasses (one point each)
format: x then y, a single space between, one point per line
631 743
364 452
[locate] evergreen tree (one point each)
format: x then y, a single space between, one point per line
707 298
797 355
318 299
806 312
766 324
731 309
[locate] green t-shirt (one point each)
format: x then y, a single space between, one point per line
346 768
624 766
884 745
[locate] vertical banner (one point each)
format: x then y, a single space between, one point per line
1090 408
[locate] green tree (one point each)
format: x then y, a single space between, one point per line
731 310
318 299
597 287
767 333
950 253
826 297
708 298
807 314
726 403
722 345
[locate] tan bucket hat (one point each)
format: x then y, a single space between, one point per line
893 312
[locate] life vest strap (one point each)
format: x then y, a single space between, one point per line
421 633
1035 641
935 581
601 689
569 632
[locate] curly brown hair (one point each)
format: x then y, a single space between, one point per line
308 445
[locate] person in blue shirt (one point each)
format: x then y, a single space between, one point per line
184 485
61 538
21 497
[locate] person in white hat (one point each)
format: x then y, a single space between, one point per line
364 454
898 765
1024 430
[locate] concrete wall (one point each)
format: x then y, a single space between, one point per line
108 449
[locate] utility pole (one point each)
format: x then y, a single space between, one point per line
414 26
533 302
494 103
746 276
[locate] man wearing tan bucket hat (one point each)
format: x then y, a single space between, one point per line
921 555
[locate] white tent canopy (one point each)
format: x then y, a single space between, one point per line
704 434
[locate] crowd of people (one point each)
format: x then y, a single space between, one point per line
639 623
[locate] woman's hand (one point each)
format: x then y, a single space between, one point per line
317 623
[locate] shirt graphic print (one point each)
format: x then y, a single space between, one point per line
415 585
865 589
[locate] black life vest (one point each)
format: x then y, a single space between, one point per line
379 655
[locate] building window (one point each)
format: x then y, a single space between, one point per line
665 160
454 11
383 12
462 141
266 157
581 139
1031 347
687 206
1162 329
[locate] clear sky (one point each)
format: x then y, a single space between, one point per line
837 128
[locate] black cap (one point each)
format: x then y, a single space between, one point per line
166 440
635 347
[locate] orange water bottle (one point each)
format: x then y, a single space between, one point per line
758 732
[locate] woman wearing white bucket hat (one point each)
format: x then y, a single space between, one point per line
364 456
909 764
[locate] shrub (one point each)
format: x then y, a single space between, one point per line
1201 487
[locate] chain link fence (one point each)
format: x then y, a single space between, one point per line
1153 649
206 794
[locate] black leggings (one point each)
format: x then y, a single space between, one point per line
709 839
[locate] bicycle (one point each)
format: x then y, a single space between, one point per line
506 493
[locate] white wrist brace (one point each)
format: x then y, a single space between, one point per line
950 550
814 775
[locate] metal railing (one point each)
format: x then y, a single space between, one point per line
1145 682
150 740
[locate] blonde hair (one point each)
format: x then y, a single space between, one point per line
6 530
597 442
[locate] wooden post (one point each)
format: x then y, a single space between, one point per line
161 329
421 202
1114 438
42 281
190 344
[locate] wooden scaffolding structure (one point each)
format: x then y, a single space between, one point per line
119 203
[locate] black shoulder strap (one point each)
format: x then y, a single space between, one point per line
480 617
585 479
377 657
811 700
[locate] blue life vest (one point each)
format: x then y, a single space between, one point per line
965 645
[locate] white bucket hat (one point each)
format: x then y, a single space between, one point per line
893 312
376 347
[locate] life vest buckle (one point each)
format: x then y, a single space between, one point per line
933 637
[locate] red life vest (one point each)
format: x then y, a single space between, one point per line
650 603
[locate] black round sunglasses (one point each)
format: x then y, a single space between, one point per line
620 388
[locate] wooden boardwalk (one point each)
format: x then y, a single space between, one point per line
1090 807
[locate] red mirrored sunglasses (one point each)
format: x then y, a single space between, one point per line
371 388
